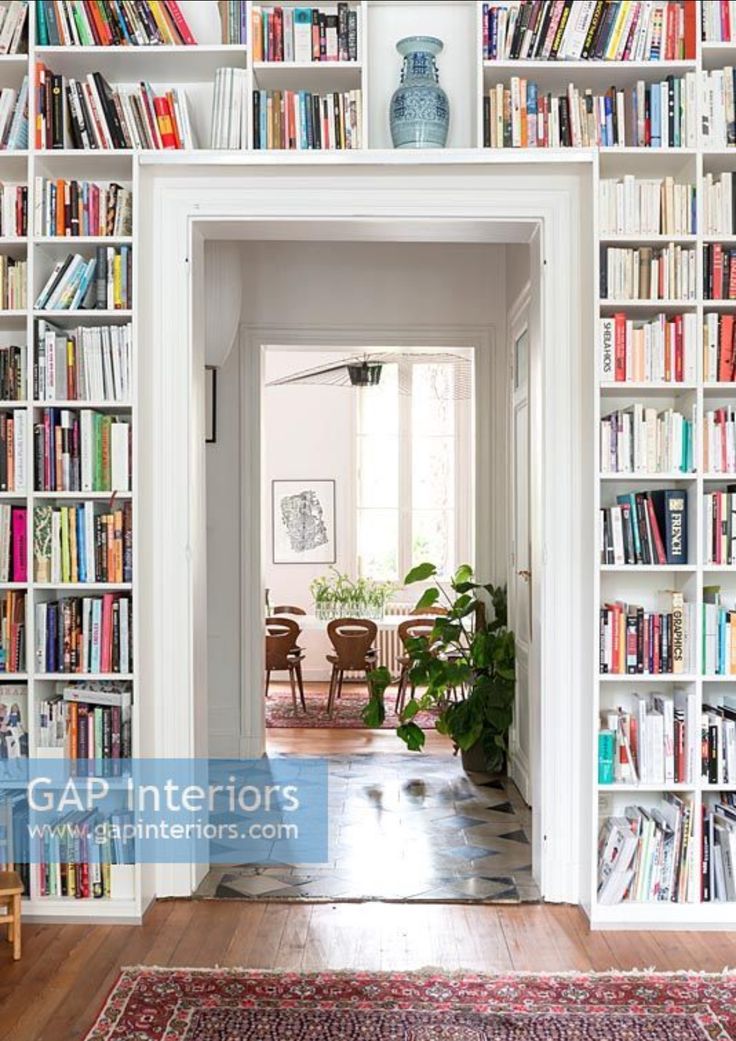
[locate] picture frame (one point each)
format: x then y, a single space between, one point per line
210 404
303 521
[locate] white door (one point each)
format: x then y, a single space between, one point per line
520 585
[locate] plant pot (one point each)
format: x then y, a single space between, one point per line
474 761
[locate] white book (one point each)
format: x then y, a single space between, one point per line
40 628
86 449
119 456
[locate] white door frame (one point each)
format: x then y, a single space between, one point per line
177 204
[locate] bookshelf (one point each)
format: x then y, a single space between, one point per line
466 76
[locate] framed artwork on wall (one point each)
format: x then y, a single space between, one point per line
210 404
303 519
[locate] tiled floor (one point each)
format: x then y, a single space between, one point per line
405 827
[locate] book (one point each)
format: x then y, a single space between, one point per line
14 27
648 273
654 739
83 542
13 283
145 23
12 631
233 21
69 208
719 526
304 34
89 363
718 108
230 110
13 210
661 349
719 440
12 451
300 120
84 634
13 362
719 272
88 721
640 439
632 205
76 451
13 723
643 641
103 281
13 543
645 528
718 848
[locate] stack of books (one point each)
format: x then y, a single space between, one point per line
69 23
14 118
234 21
649 273
718 21
719 526
719 849
69 208
81 451
90 363
599 30
13 745
12 631
635 641
659 349
230 109
639 439
13 283
719 272
302 120
304 34
652 741
719 356
719 213
13 210
719 634
718 108
78 861
13 451
90 114
13 543
92 721
719 441
79 544
653 206
645 528
718 742
102 282
13 27
85 634
13 361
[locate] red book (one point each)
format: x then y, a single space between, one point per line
691 21
679 349
716 271
725 352
179 21
106 635
725 21
100 29
619 343
656 534
670 46
731 276
20 547
164 118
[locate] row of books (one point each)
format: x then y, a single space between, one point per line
70 208
229 127
81 451
305 34
12 631
719 441
595 30
651 741
639 439
88 722
14 836
718 742
301 120
631 205
13 361
79 544
719 847
13 451
648 854
719 526
14 117
648 273
102 282
719 634
660 349
645 528
13 739
649 115
234 21
13 27
719 272
13 210
83 859
91 114
718 108
719 353
105 23
84 634
718 21
13 283
90 363
719 212
637 641
13 543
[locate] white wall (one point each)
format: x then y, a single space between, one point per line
301 287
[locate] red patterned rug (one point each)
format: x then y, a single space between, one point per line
280 709
237 1005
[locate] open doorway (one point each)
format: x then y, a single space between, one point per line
413 466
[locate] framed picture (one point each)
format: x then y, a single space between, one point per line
210 404
303 522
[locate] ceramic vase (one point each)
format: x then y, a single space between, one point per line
420 110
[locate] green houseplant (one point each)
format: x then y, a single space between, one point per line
337 595
464 670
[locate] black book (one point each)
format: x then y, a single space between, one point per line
352 35
322 36
57 111
533 28
148 21
565 138
316 120
671 109
71 213
101 279
519 28
342 32
642 520
256 119
540 33
88 127
75 128
109 111
605 25
590 36
670 508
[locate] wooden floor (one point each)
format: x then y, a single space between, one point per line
53 994
55 991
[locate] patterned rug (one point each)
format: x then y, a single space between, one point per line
237 1005
280 709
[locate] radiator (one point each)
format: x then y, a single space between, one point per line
389 644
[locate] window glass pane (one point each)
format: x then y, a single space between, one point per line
378 544
378 411
433 407
433 538
433 473
378 471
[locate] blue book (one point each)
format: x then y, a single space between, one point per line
81 545
606 756
608 130
532 107
303 133
264 119
85 279
43 36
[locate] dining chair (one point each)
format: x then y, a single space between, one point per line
284 655
411 629
286 609
353 642
428 611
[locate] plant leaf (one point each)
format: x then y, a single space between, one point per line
463 574
420 573
428 598
412 736
374 713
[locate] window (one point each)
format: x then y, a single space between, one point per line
415 465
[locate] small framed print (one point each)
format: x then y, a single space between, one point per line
210 404
303 522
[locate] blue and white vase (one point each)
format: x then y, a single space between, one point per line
420 110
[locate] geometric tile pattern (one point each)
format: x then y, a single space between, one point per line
404 827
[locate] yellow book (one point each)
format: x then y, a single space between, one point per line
615 38
117 281
163 26
65 560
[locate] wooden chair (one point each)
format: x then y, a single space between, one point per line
285 609
410 629
11 889
427 612
352 640
283 655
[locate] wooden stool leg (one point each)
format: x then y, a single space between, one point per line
268 681
300 681
331 695
340 677
292 681
16 927
11 920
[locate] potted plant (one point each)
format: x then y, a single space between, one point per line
336 595
464 670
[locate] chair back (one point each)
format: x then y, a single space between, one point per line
428 611
281 637
352 638
286 609
413 628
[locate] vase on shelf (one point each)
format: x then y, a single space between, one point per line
420 110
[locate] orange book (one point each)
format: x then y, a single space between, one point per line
165 122
72 730
62 190
174 122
